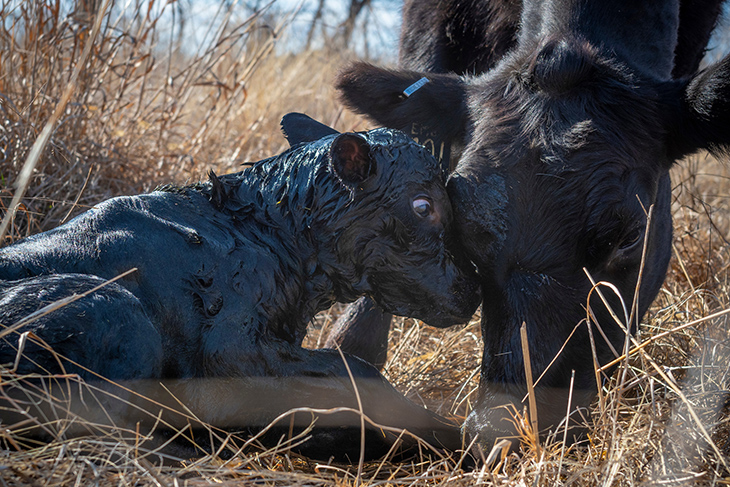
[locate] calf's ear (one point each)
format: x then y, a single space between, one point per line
350 159
398 99
299 128
704 119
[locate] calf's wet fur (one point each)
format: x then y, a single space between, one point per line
227 275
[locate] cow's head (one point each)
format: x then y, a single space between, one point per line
562 152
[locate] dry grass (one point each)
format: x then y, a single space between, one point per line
144 113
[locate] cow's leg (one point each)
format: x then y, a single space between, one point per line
362 330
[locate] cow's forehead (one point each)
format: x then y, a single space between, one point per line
601 119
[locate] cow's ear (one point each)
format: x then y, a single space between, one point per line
704 118
399 99
350 159
299 128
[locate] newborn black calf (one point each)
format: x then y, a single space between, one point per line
229 273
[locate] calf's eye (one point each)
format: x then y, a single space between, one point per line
422 206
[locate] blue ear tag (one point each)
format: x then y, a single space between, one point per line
415 87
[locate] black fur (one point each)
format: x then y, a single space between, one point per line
567 137
458 36
228 275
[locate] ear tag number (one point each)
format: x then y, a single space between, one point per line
440 149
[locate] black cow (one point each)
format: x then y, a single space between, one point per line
229 273
564 118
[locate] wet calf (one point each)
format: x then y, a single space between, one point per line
228 273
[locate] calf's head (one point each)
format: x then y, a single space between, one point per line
562 152
386 229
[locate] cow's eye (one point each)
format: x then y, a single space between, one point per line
631 240
422 206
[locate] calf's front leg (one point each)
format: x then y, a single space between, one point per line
318 384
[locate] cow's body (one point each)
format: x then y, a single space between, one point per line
563 145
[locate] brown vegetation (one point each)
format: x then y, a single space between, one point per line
144 112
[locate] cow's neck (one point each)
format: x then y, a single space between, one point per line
642 34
